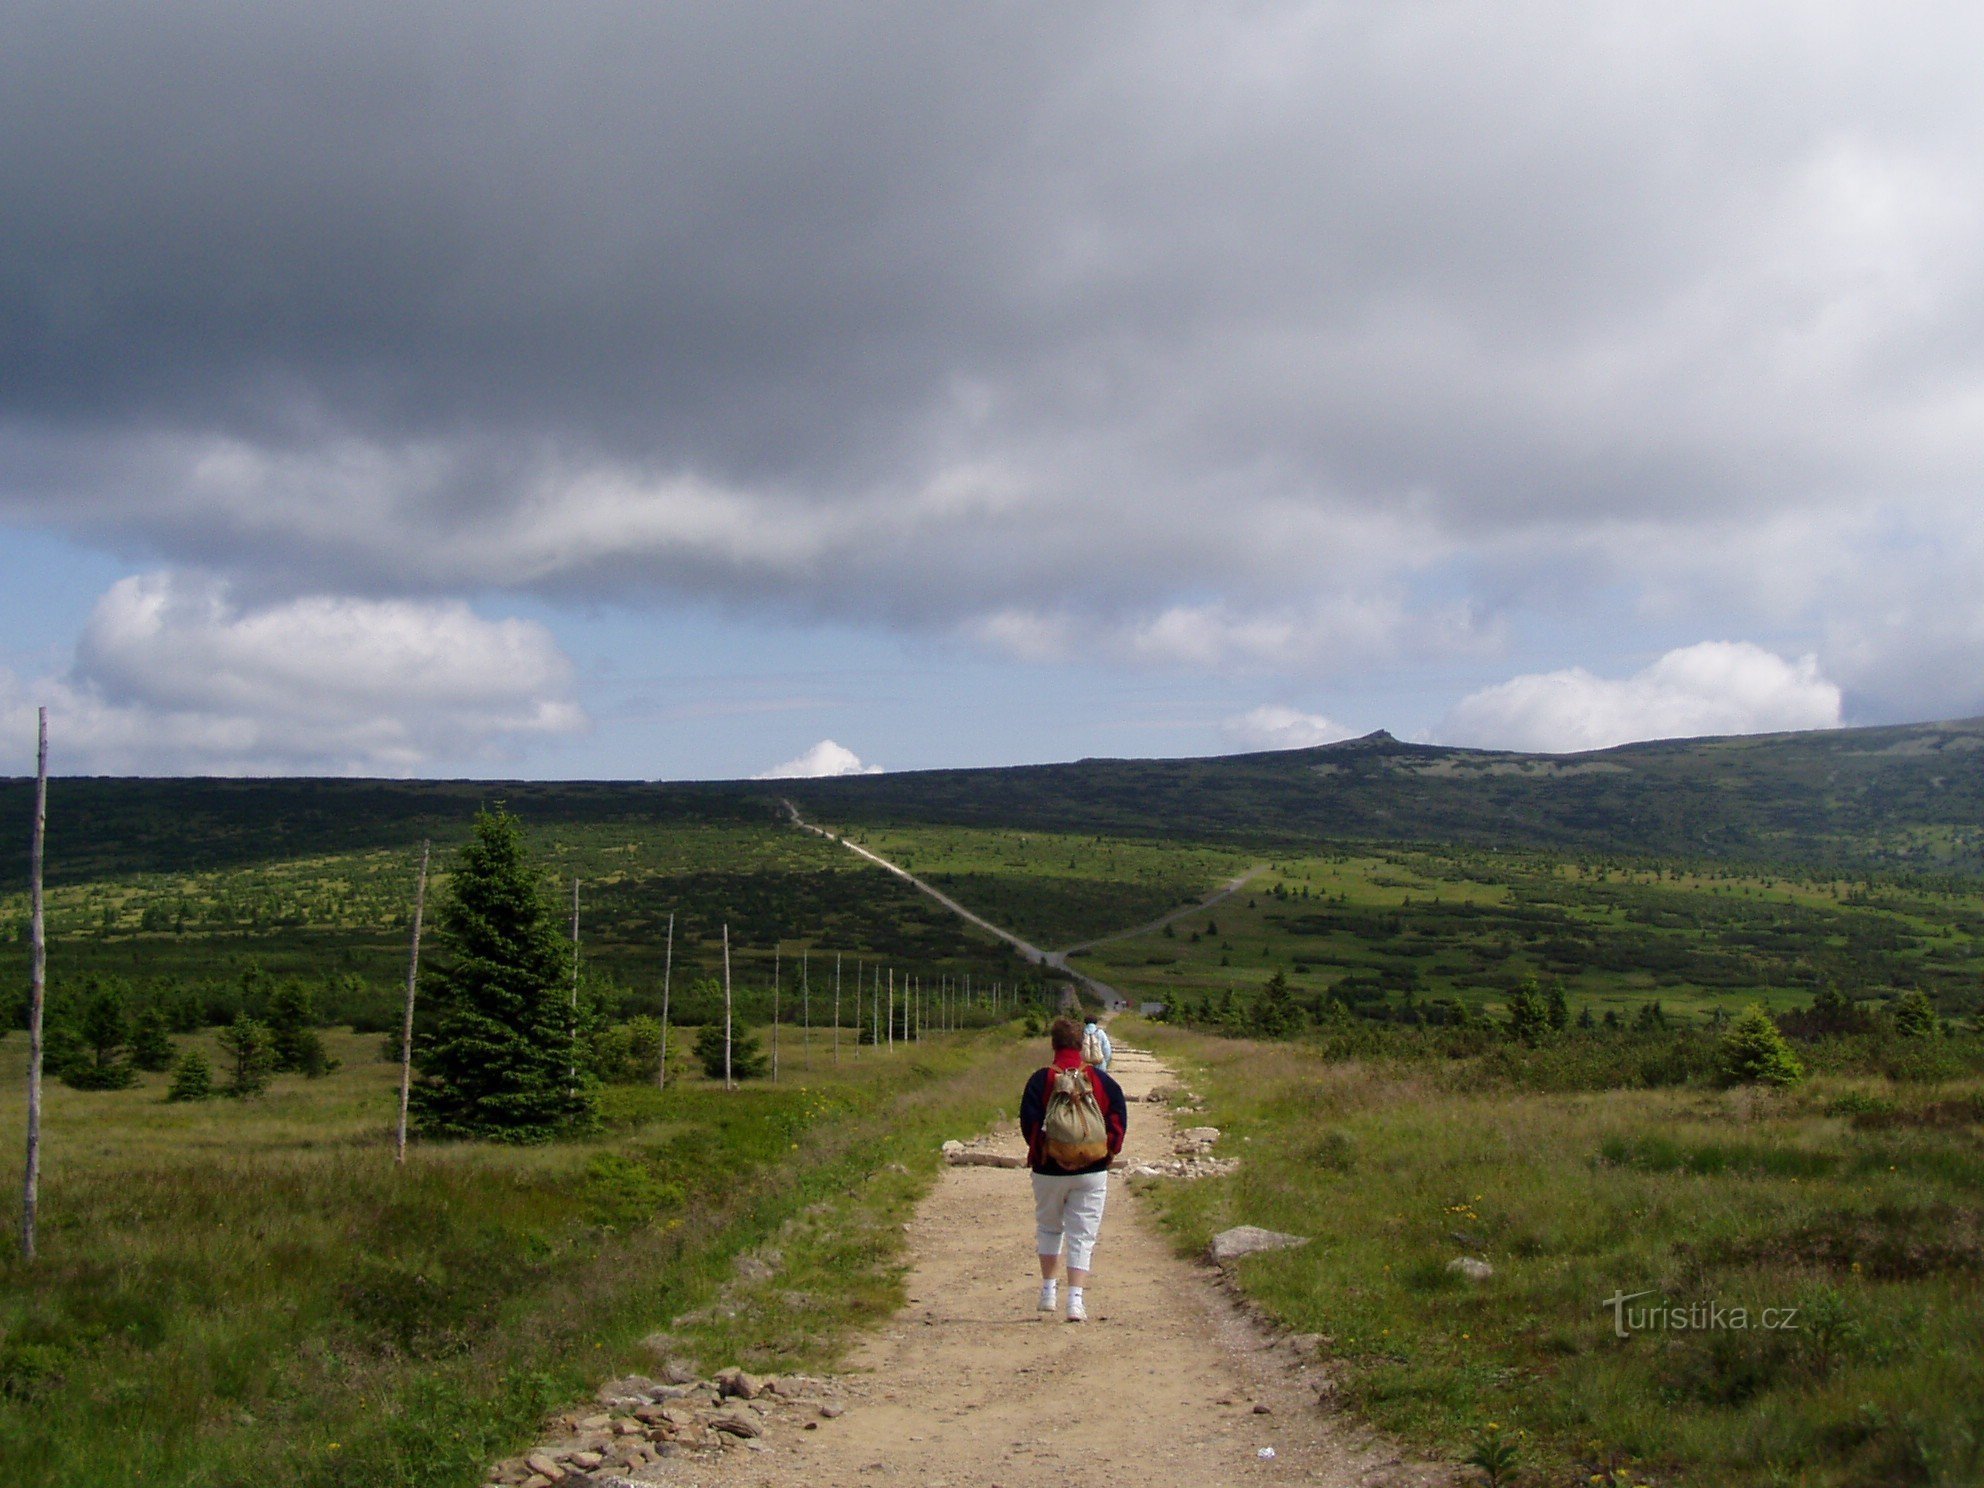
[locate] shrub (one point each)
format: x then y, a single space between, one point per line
1754 1052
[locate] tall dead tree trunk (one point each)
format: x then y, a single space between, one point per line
836 1009
37 987
572 1065
892 1007
805 1001
406 1024
667 966
728 1083
777 982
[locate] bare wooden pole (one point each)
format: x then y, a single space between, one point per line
37 987
805 999
892 1007
728 1083
777 983
836 1009
667 966
572 1065
406 1025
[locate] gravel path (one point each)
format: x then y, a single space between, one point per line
1169 1385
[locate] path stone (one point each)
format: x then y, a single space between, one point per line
1246 1240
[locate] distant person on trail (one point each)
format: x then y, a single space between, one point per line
1096 1048
1073 1116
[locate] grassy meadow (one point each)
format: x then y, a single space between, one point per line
210 938
241 1292
1858 1203
1058 888
1422 933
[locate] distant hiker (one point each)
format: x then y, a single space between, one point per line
1073 1116
1096 1048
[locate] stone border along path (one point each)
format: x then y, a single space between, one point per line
1174 1383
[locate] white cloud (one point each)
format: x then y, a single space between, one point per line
1331 635
1716 687
172 676
824 758
1275 726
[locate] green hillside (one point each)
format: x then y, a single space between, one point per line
1906 797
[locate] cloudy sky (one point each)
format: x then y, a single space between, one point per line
678 391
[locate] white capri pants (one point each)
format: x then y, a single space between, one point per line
1068 1205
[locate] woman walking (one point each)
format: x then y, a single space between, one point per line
1073 1116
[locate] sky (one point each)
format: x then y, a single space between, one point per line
633 391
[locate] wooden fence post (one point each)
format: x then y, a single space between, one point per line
37 987
667 966
406 1026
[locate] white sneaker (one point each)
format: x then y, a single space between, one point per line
1047 1296
1077 1313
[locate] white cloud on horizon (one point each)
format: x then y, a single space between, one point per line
1276 726
1715 687
823 759
173 676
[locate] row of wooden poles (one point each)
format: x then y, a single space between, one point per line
908 1011
914 1012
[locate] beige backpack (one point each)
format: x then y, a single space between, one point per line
1074 1133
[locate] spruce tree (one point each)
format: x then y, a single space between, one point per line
295 1043
748 1060
191 1080
1529 1014
1915 1016
105 1029
250 1055
1754 1051
151 1040
497 1052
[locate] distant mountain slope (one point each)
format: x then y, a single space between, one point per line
1910 795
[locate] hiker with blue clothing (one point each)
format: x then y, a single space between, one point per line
1096 1047
1074 1118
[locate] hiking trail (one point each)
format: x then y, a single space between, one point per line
1170 1385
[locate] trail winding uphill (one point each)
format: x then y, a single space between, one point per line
968 1386
1055 960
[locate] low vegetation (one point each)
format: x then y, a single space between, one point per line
1794 1270
246 1291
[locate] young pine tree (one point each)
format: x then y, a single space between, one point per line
294 1042
191 1079
748 1060
498 1052
1915 1016
105 1028
1529 1014
1754 1052
250 1055
151 1040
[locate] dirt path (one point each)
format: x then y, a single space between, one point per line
1057 960
1224 892
969 1387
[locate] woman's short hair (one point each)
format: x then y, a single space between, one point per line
1065 1033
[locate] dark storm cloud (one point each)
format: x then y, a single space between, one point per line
1189 332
